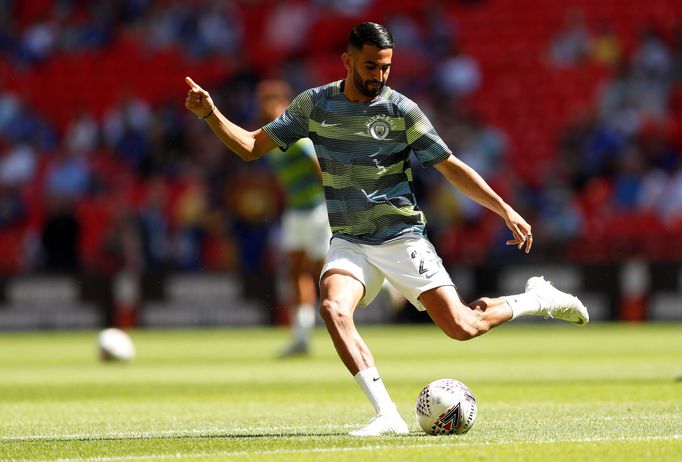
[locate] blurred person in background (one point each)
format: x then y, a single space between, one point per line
571 46
305 228
60 236
364 133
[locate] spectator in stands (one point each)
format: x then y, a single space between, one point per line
618 101
60 236
627 181
571 45
18 165
154 226
642 85
652 192
253 201
439 30
253 208
20 123
10 105
82 133
189 215
558 212
670 205
606 47
12 206
92 29
167 24
220 29
126 130
38 41
652 61
458 74
68 175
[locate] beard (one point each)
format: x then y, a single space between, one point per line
364 86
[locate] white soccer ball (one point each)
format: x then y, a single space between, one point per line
446 407
115 345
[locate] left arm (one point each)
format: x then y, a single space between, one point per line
467 180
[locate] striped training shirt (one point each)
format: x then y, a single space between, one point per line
364 150
296 172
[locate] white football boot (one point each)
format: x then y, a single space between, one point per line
557 304
383 424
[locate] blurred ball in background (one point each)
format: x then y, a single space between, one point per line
115 345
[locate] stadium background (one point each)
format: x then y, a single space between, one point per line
117 207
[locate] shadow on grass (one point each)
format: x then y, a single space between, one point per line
196 436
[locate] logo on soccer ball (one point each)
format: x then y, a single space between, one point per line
446 407
380 126
449 421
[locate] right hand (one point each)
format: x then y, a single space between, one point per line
198 100
520 229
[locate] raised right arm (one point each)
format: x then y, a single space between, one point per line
247 145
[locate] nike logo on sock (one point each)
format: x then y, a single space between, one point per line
376 379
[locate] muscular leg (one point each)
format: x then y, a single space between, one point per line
460 321
340 294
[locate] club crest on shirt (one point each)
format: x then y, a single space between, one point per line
380 126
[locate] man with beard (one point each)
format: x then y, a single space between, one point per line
364 133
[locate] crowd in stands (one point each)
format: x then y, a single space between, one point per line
126 178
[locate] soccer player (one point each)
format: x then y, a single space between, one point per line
305 228
364 133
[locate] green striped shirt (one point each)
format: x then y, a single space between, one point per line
296 172
364 151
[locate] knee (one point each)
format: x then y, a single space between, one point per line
464 328
334 312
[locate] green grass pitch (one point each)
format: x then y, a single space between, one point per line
546 392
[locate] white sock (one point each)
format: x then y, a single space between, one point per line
303 322
526 304
371 383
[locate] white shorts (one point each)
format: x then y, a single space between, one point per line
410 264
307 230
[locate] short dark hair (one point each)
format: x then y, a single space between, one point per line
370 33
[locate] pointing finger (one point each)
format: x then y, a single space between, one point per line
192 84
